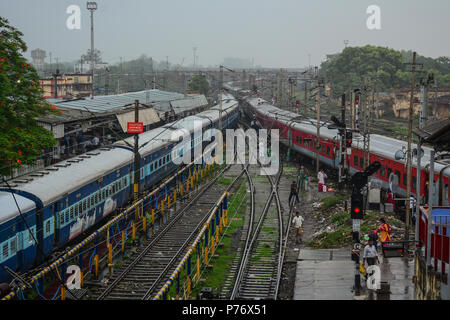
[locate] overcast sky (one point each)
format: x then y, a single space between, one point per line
274 33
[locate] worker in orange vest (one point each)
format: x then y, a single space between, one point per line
385 231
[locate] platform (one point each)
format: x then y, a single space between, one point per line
328 274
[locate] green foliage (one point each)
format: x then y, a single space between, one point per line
328 202
340 218
21 102
354 63
198 83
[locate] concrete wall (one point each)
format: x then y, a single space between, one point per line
429 285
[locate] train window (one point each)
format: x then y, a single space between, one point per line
296 139
355 161
405 179
84 205
389 172
114 188
414 182
382 171
71 213
92 201
5 250
167 158
96 198
151 167
13 245
80 207
47 227
160 162
75 210
142 173
328 150
361 162
67 216
110 190
61 218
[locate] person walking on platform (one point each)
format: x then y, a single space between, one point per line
293 193
385 231
370 254
302 175
298 222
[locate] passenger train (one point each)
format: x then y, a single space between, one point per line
62 201
300 135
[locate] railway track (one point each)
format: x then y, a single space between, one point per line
145 273
258 263
259 268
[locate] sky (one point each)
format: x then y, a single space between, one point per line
274 33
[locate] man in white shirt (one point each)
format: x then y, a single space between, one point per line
298 222
321 176
370 253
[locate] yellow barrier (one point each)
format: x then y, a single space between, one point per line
102 229
198 239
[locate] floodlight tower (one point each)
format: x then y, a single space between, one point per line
92 6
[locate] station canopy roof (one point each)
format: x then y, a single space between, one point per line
189 103
436 133
112 103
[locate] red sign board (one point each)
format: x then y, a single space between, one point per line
135 127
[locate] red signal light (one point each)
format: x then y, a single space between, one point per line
357 210
298 105
357 101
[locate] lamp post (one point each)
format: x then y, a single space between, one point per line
92 6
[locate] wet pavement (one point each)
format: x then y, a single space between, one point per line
398 272
328 274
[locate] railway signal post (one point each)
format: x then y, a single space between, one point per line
359 181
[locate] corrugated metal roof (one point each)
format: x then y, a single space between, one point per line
118 101
146 116
189 103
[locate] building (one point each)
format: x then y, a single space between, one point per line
70 86
401 99
106 117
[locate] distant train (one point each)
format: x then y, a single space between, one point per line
62 201
300 135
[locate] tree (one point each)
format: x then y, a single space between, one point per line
198 83
21 103
97 56
355 63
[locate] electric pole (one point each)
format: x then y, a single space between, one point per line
194 49
408 153
318 131
220 97
435 99
136 157
291 95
